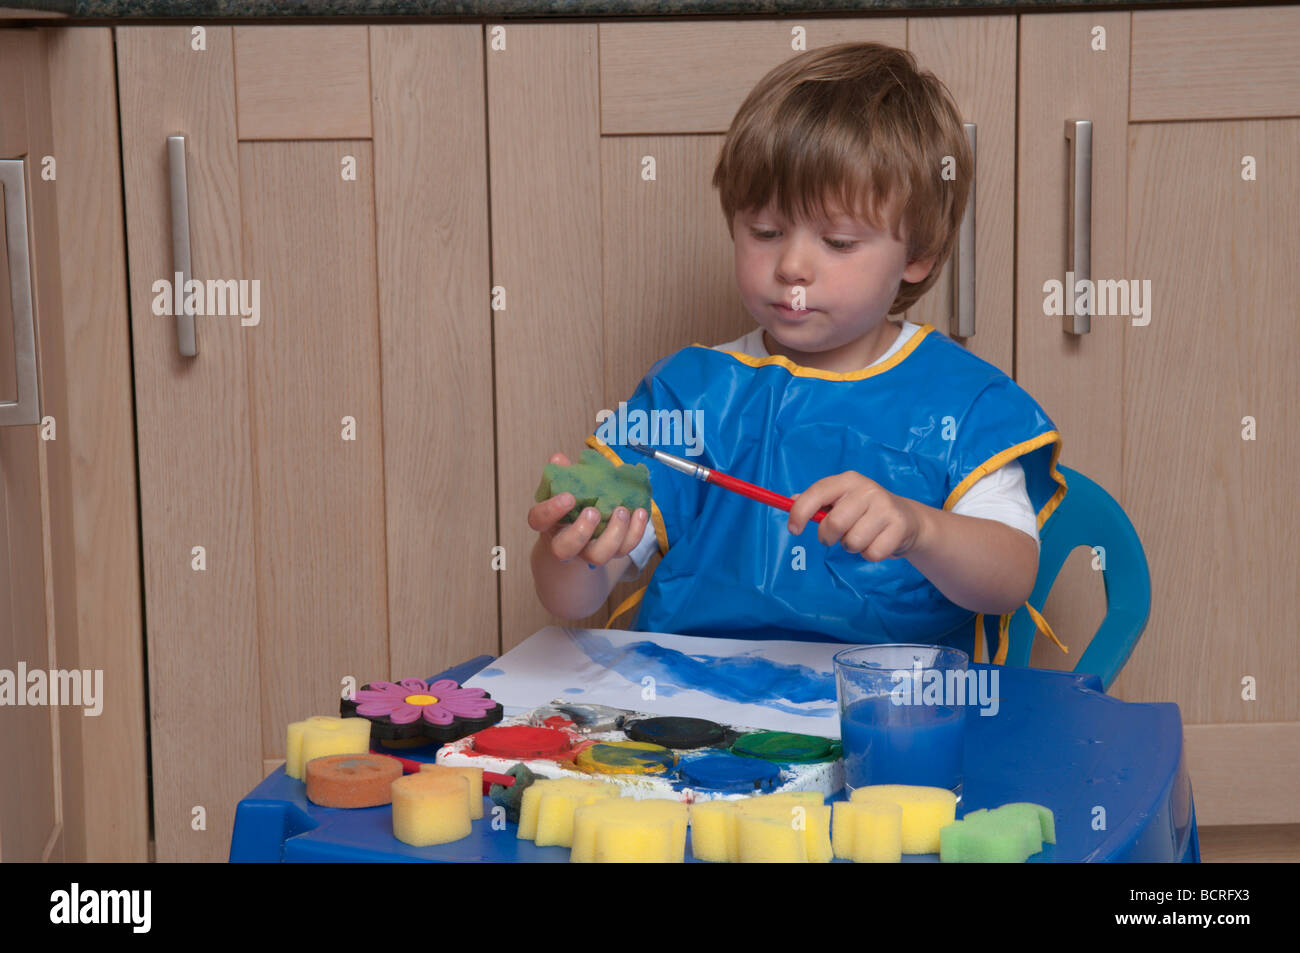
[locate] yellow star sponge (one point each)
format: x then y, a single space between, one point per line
595 481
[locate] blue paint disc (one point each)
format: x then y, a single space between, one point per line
729 774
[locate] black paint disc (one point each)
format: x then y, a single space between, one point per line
675 732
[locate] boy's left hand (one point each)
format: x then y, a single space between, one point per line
864 518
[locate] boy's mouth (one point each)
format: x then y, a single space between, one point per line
789 313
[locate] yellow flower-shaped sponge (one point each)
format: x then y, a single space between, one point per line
322 735
869 831
546 812
475 778
924 811
628 830
430 808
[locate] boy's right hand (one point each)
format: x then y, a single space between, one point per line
567 540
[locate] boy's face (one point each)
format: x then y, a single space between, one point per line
849 271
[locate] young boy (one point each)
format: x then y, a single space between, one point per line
843 178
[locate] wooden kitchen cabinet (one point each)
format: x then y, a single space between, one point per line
317 484
31 807
1196 129
75 778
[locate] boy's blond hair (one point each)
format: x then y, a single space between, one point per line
860 122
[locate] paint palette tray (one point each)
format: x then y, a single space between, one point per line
686 759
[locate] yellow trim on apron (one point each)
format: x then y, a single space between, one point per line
983 470
626 604
1011 453
1004 631
799 370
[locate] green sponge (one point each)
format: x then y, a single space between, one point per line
1007 834
595 481
1046 822
511 798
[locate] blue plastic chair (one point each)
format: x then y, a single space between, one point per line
1088 516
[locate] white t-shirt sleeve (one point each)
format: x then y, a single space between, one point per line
642 552
1001 496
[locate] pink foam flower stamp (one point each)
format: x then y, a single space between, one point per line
414 709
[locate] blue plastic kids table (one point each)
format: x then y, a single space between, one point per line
1113 772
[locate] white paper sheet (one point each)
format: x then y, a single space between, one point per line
777 686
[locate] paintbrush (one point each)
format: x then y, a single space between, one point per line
731 483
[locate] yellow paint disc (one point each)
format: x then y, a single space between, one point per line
625 757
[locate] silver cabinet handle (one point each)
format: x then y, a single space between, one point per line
1078 222
180 202
26 410
963 284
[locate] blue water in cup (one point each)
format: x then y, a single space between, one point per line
889 743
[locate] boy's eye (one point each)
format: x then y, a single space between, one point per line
837 244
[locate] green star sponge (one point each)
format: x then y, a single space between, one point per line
1006 834
595 481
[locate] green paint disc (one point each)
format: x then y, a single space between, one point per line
786 747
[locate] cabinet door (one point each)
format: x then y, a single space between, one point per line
609 268
317 480
31 802
1185 413
69 563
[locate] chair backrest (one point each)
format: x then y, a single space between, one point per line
1089 516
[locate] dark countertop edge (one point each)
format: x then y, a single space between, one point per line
93 12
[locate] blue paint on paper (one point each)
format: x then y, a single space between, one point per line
490 671
736 678
574 691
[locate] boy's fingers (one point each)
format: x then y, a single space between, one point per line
809 502
542 516
573 538
607 546
635 530
802 510
568 542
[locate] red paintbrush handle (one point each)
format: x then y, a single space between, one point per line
758 493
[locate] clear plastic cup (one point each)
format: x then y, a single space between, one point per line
902 715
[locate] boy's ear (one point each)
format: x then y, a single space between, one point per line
917 270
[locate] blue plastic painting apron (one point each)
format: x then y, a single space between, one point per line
925 424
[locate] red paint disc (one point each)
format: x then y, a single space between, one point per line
522 741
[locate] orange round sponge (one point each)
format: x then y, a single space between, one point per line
352 780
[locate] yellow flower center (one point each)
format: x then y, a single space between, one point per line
421 700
